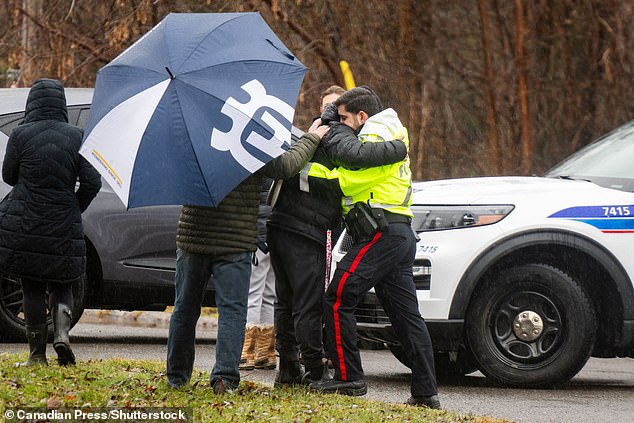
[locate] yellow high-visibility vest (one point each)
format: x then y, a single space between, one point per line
388 187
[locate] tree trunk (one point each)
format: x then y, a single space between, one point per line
28 62
493 152
520 60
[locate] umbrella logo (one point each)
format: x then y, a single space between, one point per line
242 114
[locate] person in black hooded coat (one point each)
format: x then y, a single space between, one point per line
41 233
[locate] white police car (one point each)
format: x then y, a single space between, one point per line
525 278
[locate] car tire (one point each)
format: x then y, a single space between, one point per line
531 326
11 311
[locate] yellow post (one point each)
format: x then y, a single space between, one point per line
347 74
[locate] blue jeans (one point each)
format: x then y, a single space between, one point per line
231 275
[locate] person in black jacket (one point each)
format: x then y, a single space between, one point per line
305 221
41 233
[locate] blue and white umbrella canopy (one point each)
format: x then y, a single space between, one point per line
192 108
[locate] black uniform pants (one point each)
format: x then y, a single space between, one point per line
384 263
299 263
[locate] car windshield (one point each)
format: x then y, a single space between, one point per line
606 162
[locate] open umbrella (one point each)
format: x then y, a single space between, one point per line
192 108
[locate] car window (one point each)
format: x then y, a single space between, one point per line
10 121
82 117
606 162
7 124
77 115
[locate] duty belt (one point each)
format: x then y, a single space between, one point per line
397 218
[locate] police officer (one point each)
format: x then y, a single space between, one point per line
377 215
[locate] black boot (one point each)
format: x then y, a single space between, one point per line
315 372
331 386
61 325
36 336
429 402
289 373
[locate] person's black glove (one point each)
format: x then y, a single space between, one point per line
330 114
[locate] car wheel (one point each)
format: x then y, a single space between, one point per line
12 313
531 326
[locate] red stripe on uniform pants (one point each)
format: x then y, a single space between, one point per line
353 267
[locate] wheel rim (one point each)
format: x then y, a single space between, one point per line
525 329
11 300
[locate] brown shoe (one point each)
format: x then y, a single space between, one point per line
265 348
248 348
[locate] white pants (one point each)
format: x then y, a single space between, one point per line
261 291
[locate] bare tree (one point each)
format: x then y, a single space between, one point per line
30 31
525 118
489 88
485 87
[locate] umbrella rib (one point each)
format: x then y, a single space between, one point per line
123 65
298 66
205 37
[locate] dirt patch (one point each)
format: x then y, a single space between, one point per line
153 319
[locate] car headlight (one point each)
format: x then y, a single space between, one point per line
432 218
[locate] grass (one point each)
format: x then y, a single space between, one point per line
141 383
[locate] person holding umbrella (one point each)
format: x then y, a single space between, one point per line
41 234
206 110
220 241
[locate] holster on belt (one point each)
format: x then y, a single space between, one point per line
363 221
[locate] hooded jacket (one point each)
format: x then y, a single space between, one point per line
41 233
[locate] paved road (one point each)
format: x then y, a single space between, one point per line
602 392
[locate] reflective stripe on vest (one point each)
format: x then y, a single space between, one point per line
303 178
313 170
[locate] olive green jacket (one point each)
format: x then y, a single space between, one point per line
231 227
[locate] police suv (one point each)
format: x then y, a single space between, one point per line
524 278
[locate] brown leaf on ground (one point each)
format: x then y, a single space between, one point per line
53 402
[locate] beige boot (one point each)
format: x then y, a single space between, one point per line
248 348
265 348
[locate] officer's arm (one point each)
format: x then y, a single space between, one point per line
294 159
345 149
